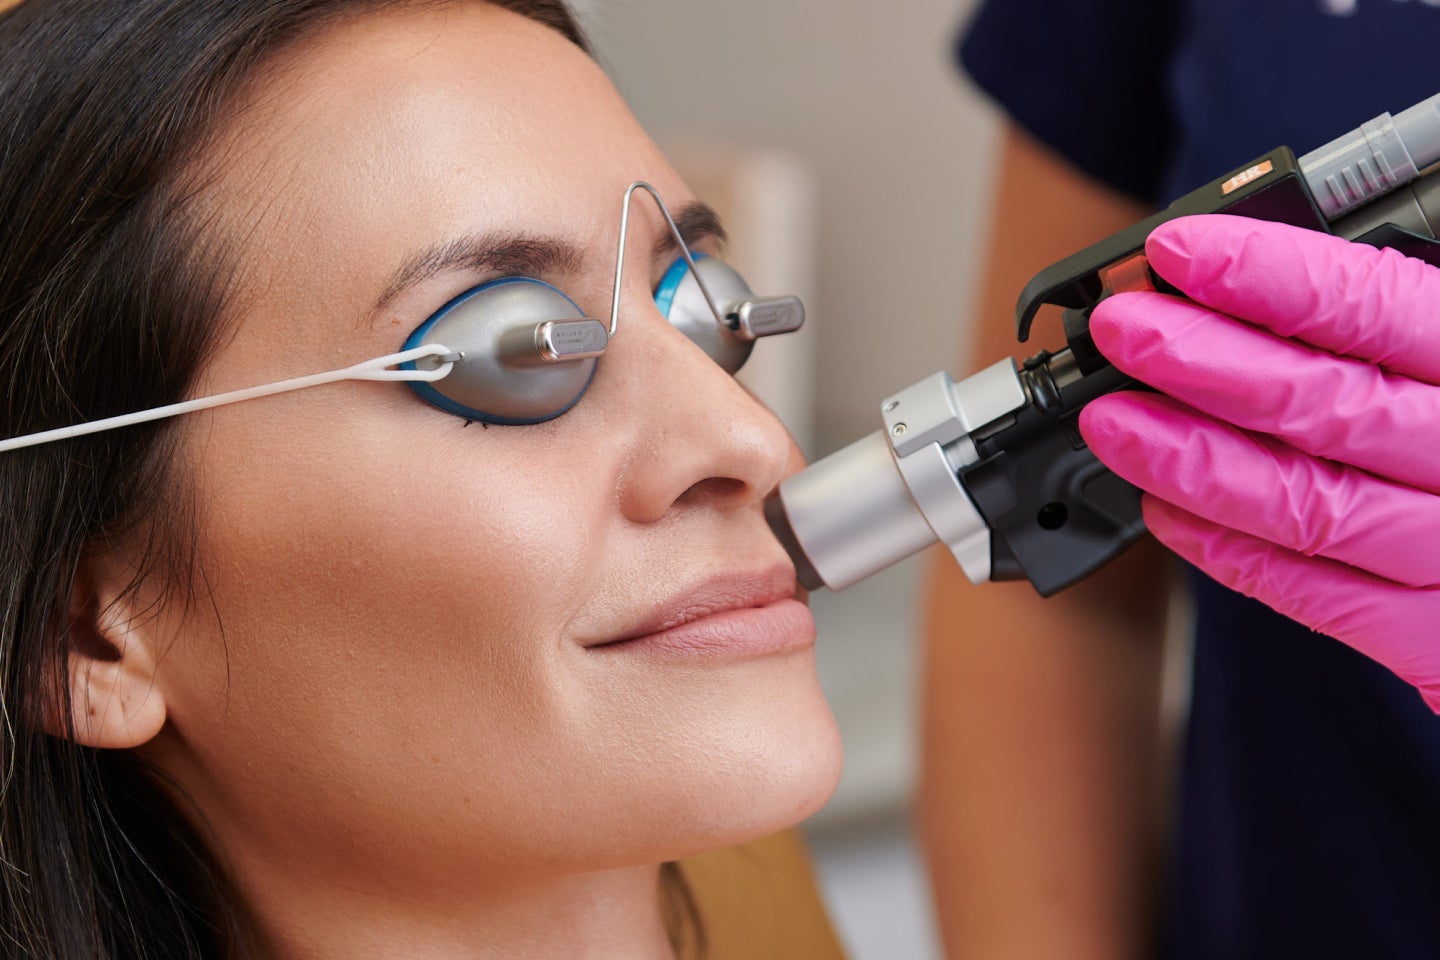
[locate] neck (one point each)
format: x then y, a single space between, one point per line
613 913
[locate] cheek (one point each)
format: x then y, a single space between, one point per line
384 575
405 506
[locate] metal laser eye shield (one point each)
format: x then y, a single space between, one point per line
531 351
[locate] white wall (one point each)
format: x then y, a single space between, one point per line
866 93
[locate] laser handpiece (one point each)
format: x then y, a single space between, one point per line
994 465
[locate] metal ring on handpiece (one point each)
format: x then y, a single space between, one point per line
680 240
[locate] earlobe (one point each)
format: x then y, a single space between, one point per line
115 702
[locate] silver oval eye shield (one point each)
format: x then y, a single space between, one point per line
518 351
524 352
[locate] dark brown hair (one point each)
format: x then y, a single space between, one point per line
111 298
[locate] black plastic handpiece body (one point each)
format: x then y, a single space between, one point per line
1055 513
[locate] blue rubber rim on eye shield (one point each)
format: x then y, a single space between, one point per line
670 283
438 399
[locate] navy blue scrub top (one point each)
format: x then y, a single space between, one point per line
1309 802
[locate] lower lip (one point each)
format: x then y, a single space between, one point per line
778 627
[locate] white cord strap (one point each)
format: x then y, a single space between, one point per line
377 369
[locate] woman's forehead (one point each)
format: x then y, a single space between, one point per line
465 95
402 129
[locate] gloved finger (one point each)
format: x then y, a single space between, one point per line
1387 622
1348 298
1325 405
1268 489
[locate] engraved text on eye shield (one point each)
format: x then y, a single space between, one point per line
560 340
768 316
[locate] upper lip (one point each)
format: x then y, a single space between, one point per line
720 594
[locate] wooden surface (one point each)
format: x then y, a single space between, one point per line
759 901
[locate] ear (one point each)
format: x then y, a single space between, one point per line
115 702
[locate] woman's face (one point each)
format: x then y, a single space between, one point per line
400 667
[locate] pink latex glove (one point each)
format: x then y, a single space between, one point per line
1295 456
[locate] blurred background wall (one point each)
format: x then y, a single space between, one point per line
875 157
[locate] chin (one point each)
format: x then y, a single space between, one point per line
772 774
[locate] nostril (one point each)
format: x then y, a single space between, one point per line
714 490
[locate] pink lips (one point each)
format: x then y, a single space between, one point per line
749 614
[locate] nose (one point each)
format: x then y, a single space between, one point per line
702 441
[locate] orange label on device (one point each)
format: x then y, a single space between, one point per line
1248 176
1132 273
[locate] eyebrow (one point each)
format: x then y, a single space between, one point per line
696 221
507 253
518 254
